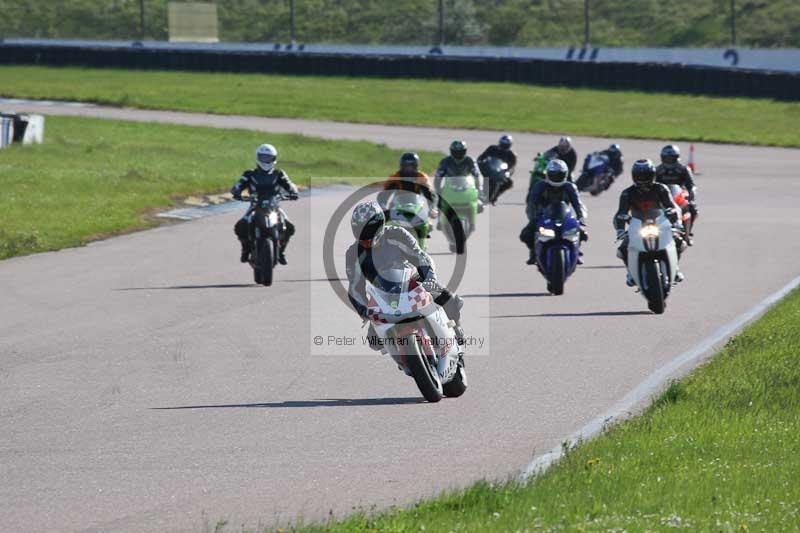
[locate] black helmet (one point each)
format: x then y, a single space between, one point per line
644 173
458 149
409 162
615 148
556 173
670 155
505 142
367 220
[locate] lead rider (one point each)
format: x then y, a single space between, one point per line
264 181
379 246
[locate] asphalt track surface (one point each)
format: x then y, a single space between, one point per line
147 385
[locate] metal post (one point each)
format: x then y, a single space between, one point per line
291 22
585 23
141 20
733 22
441 22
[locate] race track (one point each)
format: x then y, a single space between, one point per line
147 385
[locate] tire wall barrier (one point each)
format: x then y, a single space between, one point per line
649 77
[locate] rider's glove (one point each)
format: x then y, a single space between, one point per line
237 195
293 196
672 215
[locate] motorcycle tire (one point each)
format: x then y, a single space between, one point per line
424 374
654 287
558 273
266 261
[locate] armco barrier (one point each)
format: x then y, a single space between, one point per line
653 77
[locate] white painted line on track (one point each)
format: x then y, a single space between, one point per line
676 368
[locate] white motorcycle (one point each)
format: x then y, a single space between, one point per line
653 257
416 332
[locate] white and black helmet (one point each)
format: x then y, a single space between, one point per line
505 142
367 220
556 173
670 155
266 156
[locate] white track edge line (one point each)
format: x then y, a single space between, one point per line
657 380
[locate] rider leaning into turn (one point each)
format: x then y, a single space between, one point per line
264 181
645 194
553 189
379 246
672 172
458 163
502 151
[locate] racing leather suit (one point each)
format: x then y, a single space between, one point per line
543 195
637 202
570 158
682 176
391 246
507 156
449 167
265 185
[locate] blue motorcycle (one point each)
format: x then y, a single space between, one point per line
558 237
597 175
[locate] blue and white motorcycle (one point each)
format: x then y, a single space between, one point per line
597 175
557 245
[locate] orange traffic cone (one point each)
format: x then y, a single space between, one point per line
691 164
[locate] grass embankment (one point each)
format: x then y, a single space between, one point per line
500 106
718 451
97 177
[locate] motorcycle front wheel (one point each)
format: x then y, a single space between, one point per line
558 272
424 373
654 287
265 261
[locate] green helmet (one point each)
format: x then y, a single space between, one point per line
458 149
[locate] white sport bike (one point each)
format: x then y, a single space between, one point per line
653 257
416 332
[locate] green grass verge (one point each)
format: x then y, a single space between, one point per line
505 106
718 451
96 177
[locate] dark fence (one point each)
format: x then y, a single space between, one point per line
620 76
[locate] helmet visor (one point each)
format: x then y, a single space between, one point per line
266 159
669 159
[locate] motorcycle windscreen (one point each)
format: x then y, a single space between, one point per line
461 183
392 280
559 213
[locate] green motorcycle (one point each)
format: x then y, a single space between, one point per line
409 210
539 169
459 210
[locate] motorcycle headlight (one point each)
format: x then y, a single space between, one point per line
547 232
649 232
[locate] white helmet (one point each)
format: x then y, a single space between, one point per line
556 173
266 156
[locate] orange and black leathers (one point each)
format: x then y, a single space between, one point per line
417 182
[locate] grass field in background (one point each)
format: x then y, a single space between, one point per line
97 177
499 106
718 451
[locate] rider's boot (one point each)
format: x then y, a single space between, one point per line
531 258
282 257
245 256
679 276
629 280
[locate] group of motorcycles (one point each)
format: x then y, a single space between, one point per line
417 332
